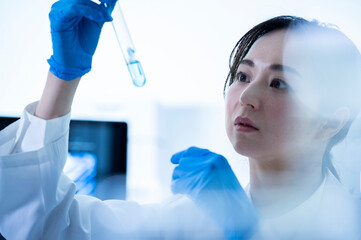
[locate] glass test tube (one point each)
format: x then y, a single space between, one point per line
127 47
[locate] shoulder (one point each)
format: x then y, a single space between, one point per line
339 210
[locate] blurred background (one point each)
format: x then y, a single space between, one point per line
184 48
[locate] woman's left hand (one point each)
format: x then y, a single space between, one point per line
209 181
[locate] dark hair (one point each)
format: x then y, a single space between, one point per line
246 42
337 47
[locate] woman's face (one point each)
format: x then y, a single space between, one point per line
266 117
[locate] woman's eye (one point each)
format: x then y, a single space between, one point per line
242 77
278 84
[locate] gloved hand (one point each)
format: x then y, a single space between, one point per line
75 30
209 181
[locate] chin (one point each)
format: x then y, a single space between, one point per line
250 150
243 149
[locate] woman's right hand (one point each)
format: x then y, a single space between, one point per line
75 30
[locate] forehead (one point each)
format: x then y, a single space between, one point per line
282 47
269 48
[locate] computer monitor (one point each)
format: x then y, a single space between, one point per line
97 151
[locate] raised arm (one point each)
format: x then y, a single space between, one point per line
57 97
36 199
75 29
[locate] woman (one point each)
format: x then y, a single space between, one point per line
33 153
290 97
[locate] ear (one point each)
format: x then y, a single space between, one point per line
334 123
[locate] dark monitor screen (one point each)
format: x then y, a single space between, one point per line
97 150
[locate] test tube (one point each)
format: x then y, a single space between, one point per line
127 47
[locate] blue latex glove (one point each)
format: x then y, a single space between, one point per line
209 181
75 31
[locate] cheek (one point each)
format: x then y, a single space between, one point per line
288 121
282 119
231 106
228 117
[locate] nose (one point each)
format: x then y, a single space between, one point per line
251 96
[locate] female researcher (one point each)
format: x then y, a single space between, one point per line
266 119
37 200
290 96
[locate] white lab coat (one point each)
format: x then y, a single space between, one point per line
330 213
37 200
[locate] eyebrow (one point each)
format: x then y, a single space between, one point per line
274 67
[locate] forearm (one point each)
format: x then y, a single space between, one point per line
57 97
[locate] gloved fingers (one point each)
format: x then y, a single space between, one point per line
195 151
95 12
218 161
176 157
192 151
192 186
186 171
110 4
66 14
189 181
206 173
209 162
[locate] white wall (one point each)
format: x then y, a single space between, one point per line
183 44
184 47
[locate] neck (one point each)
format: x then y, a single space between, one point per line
277 186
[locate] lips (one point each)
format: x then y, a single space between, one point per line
245 123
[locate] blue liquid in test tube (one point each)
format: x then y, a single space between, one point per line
126 45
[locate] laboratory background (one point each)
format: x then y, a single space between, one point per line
184 48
